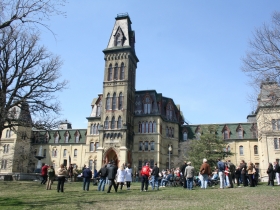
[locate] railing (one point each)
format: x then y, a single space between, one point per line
123 15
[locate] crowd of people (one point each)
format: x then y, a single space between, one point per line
226 174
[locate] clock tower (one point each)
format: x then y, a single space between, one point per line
116 135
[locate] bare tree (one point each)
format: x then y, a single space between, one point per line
14 13
29 79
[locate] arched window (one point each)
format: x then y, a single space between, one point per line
147 127
77 137
226 134
91 129
147 105
119 122
114 102
139 127
91 146
64 152
116 72
94 129
120 101
122 71
75 153
97 129
143 127
113 123
256 151
108 102
154 127
118 40
66 135
185 136
150 127
241 151
56 137
110 73
106 123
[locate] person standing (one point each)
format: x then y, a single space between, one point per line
183 167
111 175
155 175
238 175
270 172
75 173
277 172
189 174
44 173
128 176
103 174
221 169
205 172
87 175
62 173
231 175
250 170
145 174
120 176
243 168
70 169
51 175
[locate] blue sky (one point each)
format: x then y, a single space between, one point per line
188 50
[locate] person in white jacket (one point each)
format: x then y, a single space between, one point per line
128 176
120 176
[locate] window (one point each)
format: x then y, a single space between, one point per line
106 123
75 153
146 127
172 132
113 123
6 148
66 137
64 152
110 73
146 146
96 145
91 129
152 145
139 127
147 105
8 133
90 164
256 152
140 145
152 162
119 122
276 143
116 72
167 131
45 153
154 127
185 136
98 110
54 153
120 101
114 102
150 127
56 137
97 129
241 152
122 71
108 102
91 146
143 127
240 133
169 111
3 164
77 137
226 134
140 163
118 40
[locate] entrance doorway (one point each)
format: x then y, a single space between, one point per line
111 155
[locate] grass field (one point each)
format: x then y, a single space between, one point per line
32 195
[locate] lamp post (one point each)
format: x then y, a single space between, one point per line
169 151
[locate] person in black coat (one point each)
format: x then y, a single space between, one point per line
237 175
270 173
111 174
155 175
87 174
183 167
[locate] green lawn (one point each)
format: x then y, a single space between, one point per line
32 195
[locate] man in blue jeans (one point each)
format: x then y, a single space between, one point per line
155 175
189 174
103 174
87 174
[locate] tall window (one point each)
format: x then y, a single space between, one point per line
56 137
98 110
147 105
169 110
241 152
106 123
139 127
150 127
77 137
185 136
116 72
108 102
96 145
122 71
256 152
140 145
3 164
75 153
66 135
97 128
91 146
152 145
146 146
113 123
226 134
143 127
274 124
120 101
240 133
64 152
45 153
167 131
110 73
119 122
8 133
154 127
114 102
147 127
90 164
172 132
276 143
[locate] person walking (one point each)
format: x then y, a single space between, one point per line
62 173
221 169
102 174
205 172
155 175
51 175
111 175
128 176
44 173
87 175
189 174
120 177
145 174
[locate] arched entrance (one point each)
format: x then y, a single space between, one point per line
111 155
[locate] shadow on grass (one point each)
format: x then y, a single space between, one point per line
10 202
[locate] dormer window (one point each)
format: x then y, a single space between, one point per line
147 105
169 111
